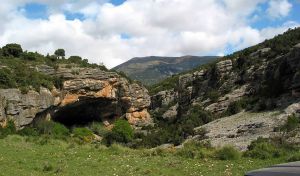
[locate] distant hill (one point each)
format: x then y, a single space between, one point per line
153 69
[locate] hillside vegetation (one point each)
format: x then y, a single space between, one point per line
18 67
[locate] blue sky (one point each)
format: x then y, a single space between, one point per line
113 31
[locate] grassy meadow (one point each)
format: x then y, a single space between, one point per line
38 156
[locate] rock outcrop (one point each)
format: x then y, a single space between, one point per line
163 98
22 108
242 128
82 88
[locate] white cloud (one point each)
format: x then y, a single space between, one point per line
279 8
154 27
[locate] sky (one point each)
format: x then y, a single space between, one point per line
114 31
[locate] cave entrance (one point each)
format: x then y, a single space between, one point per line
86 111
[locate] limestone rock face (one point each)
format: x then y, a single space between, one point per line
223 102
82 88
163 98
22 108
223 67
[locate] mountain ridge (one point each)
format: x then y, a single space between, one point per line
152 69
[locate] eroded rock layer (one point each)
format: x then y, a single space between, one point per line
99 94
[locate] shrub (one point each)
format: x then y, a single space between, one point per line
75 59
81 132
10 128
123 130
29 56
99 129
263 149
54 129
59 130
194 150
6 80
294 157
228 153
291 124
213 95
197 113
28 131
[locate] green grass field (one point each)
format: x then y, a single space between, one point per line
27 156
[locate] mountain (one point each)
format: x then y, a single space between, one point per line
150 70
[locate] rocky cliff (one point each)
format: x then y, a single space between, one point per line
86 94
260 78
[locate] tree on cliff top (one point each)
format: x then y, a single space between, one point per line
60 52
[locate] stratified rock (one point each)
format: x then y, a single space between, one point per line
85 91
22 108
224 67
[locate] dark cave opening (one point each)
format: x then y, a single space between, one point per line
86 111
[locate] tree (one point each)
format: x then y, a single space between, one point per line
12 49
75 59
60 53
29 56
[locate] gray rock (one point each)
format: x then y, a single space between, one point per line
224 67
22 108
163 98
171 113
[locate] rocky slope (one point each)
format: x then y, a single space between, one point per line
86 94
151 70
264 77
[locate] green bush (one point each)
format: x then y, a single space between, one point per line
6 80
122 132
10 128
213 95
123 129
31 56
294 157
291 124
98 128
228 153
194 150
263 149
75 59
28 131
199 116
234 108
82 132
52 128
